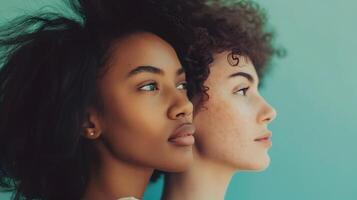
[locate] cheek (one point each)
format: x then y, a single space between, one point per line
134 128
135 116
137 131
224 130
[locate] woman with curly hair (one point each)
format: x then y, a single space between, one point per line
88 110
228 58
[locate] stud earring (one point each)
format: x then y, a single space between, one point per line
91 132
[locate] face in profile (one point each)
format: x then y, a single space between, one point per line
232 127
146 116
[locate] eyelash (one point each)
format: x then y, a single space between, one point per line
244 91
155 85
184 83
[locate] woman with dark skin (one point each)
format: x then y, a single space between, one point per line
231 117
88 110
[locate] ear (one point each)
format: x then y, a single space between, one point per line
92 126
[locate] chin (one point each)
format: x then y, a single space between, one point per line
256 165
262 165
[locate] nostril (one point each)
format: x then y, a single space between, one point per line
180 115
269 119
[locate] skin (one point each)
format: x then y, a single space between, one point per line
226 131
144 101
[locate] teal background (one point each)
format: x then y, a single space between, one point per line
314 155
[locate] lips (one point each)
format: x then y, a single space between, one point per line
183 135
265 137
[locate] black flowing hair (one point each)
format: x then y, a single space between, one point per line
47 81
49 67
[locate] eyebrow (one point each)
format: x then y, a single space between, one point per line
243 74
151 69
145 69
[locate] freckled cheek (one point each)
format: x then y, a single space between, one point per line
233 125
232 140
231 113
229 119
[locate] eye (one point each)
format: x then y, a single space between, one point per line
182 86
149 87
242 91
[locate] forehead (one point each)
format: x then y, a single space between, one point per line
221 68
143 48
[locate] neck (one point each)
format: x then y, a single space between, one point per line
204 180
114 178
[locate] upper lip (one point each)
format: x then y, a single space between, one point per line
264 137
183 129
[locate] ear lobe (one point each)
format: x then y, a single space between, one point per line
91 133
92 127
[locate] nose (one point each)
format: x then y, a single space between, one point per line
181 107
267 113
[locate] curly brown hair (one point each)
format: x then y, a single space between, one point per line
239 27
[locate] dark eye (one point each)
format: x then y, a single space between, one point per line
149 87
242 91
182 86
